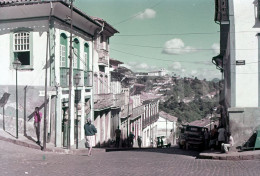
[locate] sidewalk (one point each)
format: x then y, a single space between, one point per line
232 155
31 143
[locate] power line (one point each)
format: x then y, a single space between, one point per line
130 18
167 60
189 49
187 33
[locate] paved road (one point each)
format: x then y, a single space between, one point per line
17 160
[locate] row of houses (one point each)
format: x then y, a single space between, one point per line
48 29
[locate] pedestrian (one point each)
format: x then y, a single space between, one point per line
213 137
221 136
118 135
139 140
226 146
131 139
37 123
90 131
206 138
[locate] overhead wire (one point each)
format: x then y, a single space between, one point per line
185 33
167 60
130 18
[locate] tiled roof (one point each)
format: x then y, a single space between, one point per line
168 116
202 123
148 96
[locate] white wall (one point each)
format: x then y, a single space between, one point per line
246 48
33 77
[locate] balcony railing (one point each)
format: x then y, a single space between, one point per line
88 76
150 120
102 55
103 61
125 112
118 100
221 10
103 101
80 73
137 111
64 77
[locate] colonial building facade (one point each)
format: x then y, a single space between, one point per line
24 35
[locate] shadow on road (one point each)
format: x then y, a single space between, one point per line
10 134
172 150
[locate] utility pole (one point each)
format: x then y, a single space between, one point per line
166 128
24 123
70 74
46 74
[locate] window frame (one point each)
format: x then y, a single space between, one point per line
13 51
64 42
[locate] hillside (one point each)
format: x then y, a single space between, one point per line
186 98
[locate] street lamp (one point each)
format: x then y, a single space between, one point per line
16 65
77 99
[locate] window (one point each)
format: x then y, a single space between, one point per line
63 50
76 54
75 58
86 57
63 56
21 47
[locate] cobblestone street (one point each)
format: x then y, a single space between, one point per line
17 160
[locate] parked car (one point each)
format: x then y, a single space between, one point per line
191 137
162 142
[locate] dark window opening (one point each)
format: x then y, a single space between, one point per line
23 57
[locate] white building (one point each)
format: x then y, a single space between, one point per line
165 125
239 62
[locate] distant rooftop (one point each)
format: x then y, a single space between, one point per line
148 96
168 116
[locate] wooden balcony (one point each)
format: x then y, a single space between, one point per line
118 100
88 76
138 111
102 57
150 120
125 112
80 73
103 101
221 11
64 77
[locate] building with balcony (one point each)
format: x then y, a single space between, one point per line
40 29
103 96
151 115
239 63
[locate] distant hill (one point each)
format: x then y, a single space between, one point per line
191 100
188 99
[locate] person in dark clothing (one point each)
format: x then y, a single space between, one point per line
139 140
90 131
118 135
131 139
37 123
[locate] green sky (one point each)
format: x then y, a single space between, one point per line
185 27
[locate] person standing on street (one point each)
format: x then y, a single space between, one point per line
118 135
37 123
221 136
90 131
